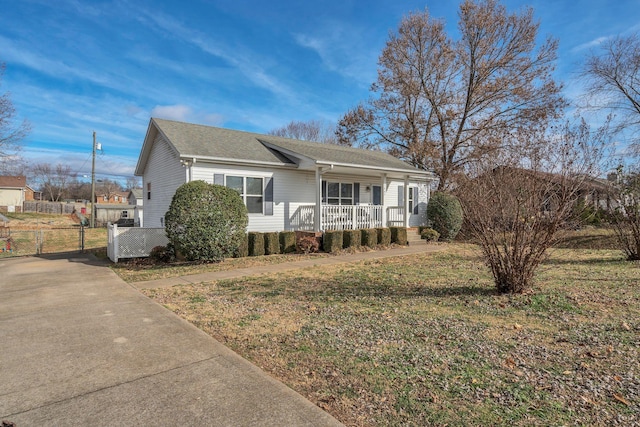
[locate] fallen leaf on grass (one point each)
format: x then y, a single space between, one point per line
617 378
626 326
517 326
619 398
589 401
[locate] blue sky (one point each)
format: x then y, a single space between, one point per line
78 66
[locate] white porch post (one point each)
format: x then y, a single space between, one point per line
406 201
382 192
317 217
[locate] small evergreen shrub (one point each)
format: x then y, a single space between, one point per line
430 235
162 254
243 249
205 222
287 242
399 235
332 241
444 214
271 243
256 243
307 245
351 239
369 237
384 236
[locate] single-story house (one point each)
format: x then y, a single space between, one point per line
135 199
14 191
286 184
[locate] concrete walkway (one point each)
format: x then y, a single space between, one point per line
79 347
415 248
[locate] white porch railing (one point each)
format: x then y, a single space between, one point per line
133 242
395 216
346 217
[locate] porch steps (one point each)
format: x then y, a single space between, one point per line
414 238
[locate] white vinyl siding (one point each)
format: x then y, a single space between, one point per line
165 174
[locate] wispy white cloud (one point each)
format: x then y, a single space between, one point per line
246 62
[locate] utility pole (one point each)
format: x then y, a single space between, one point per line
93 184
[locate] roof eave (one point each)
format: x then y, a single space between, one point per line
410 172
230 161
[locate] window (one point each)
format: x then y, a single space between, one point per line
125 214
339 193
105 198
148 191
115 198
250 189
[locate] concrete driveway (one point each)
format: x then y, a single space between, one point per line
80 347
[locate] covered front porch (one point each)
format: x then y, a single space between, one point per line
349 198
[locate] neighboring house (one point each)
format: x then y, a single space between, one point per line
286 184
115 197
14 191
113 212
136 199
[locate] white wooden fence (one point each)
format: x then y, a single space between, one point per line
133 242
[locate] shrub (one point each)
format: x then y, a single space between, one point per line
206 222
369 237
307 245
384 236
162 254
332 241
444 214
271 243
256 243
351 239
243 249
399 235
430 235
287 241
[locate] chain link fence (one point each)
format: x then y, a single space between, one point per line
51 240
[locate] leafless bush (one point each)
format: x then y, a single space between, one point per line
515 206
626 219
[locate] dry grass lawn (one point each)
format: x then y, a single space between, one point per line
424 340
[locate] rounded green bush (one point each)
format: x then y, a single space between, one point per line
430 235
444 214
206 222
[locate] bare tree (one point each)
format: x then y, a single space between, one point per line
517 206
313 130
612 74
133 182
626 219
443 103
52 180
11 133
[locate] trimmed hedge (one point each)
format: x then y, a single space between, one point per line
205 222
287 242
430 235
369 237
384 236
351 239
243 249
399 235
256 243
271 243
332 241
444 214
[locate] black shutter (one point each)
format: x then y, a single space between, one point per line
268 197
324 191
218 179
356 193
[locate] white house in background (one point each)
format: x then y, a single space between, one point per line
286 184
136 199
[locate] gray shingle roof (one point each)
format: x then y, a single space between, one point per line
218 143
